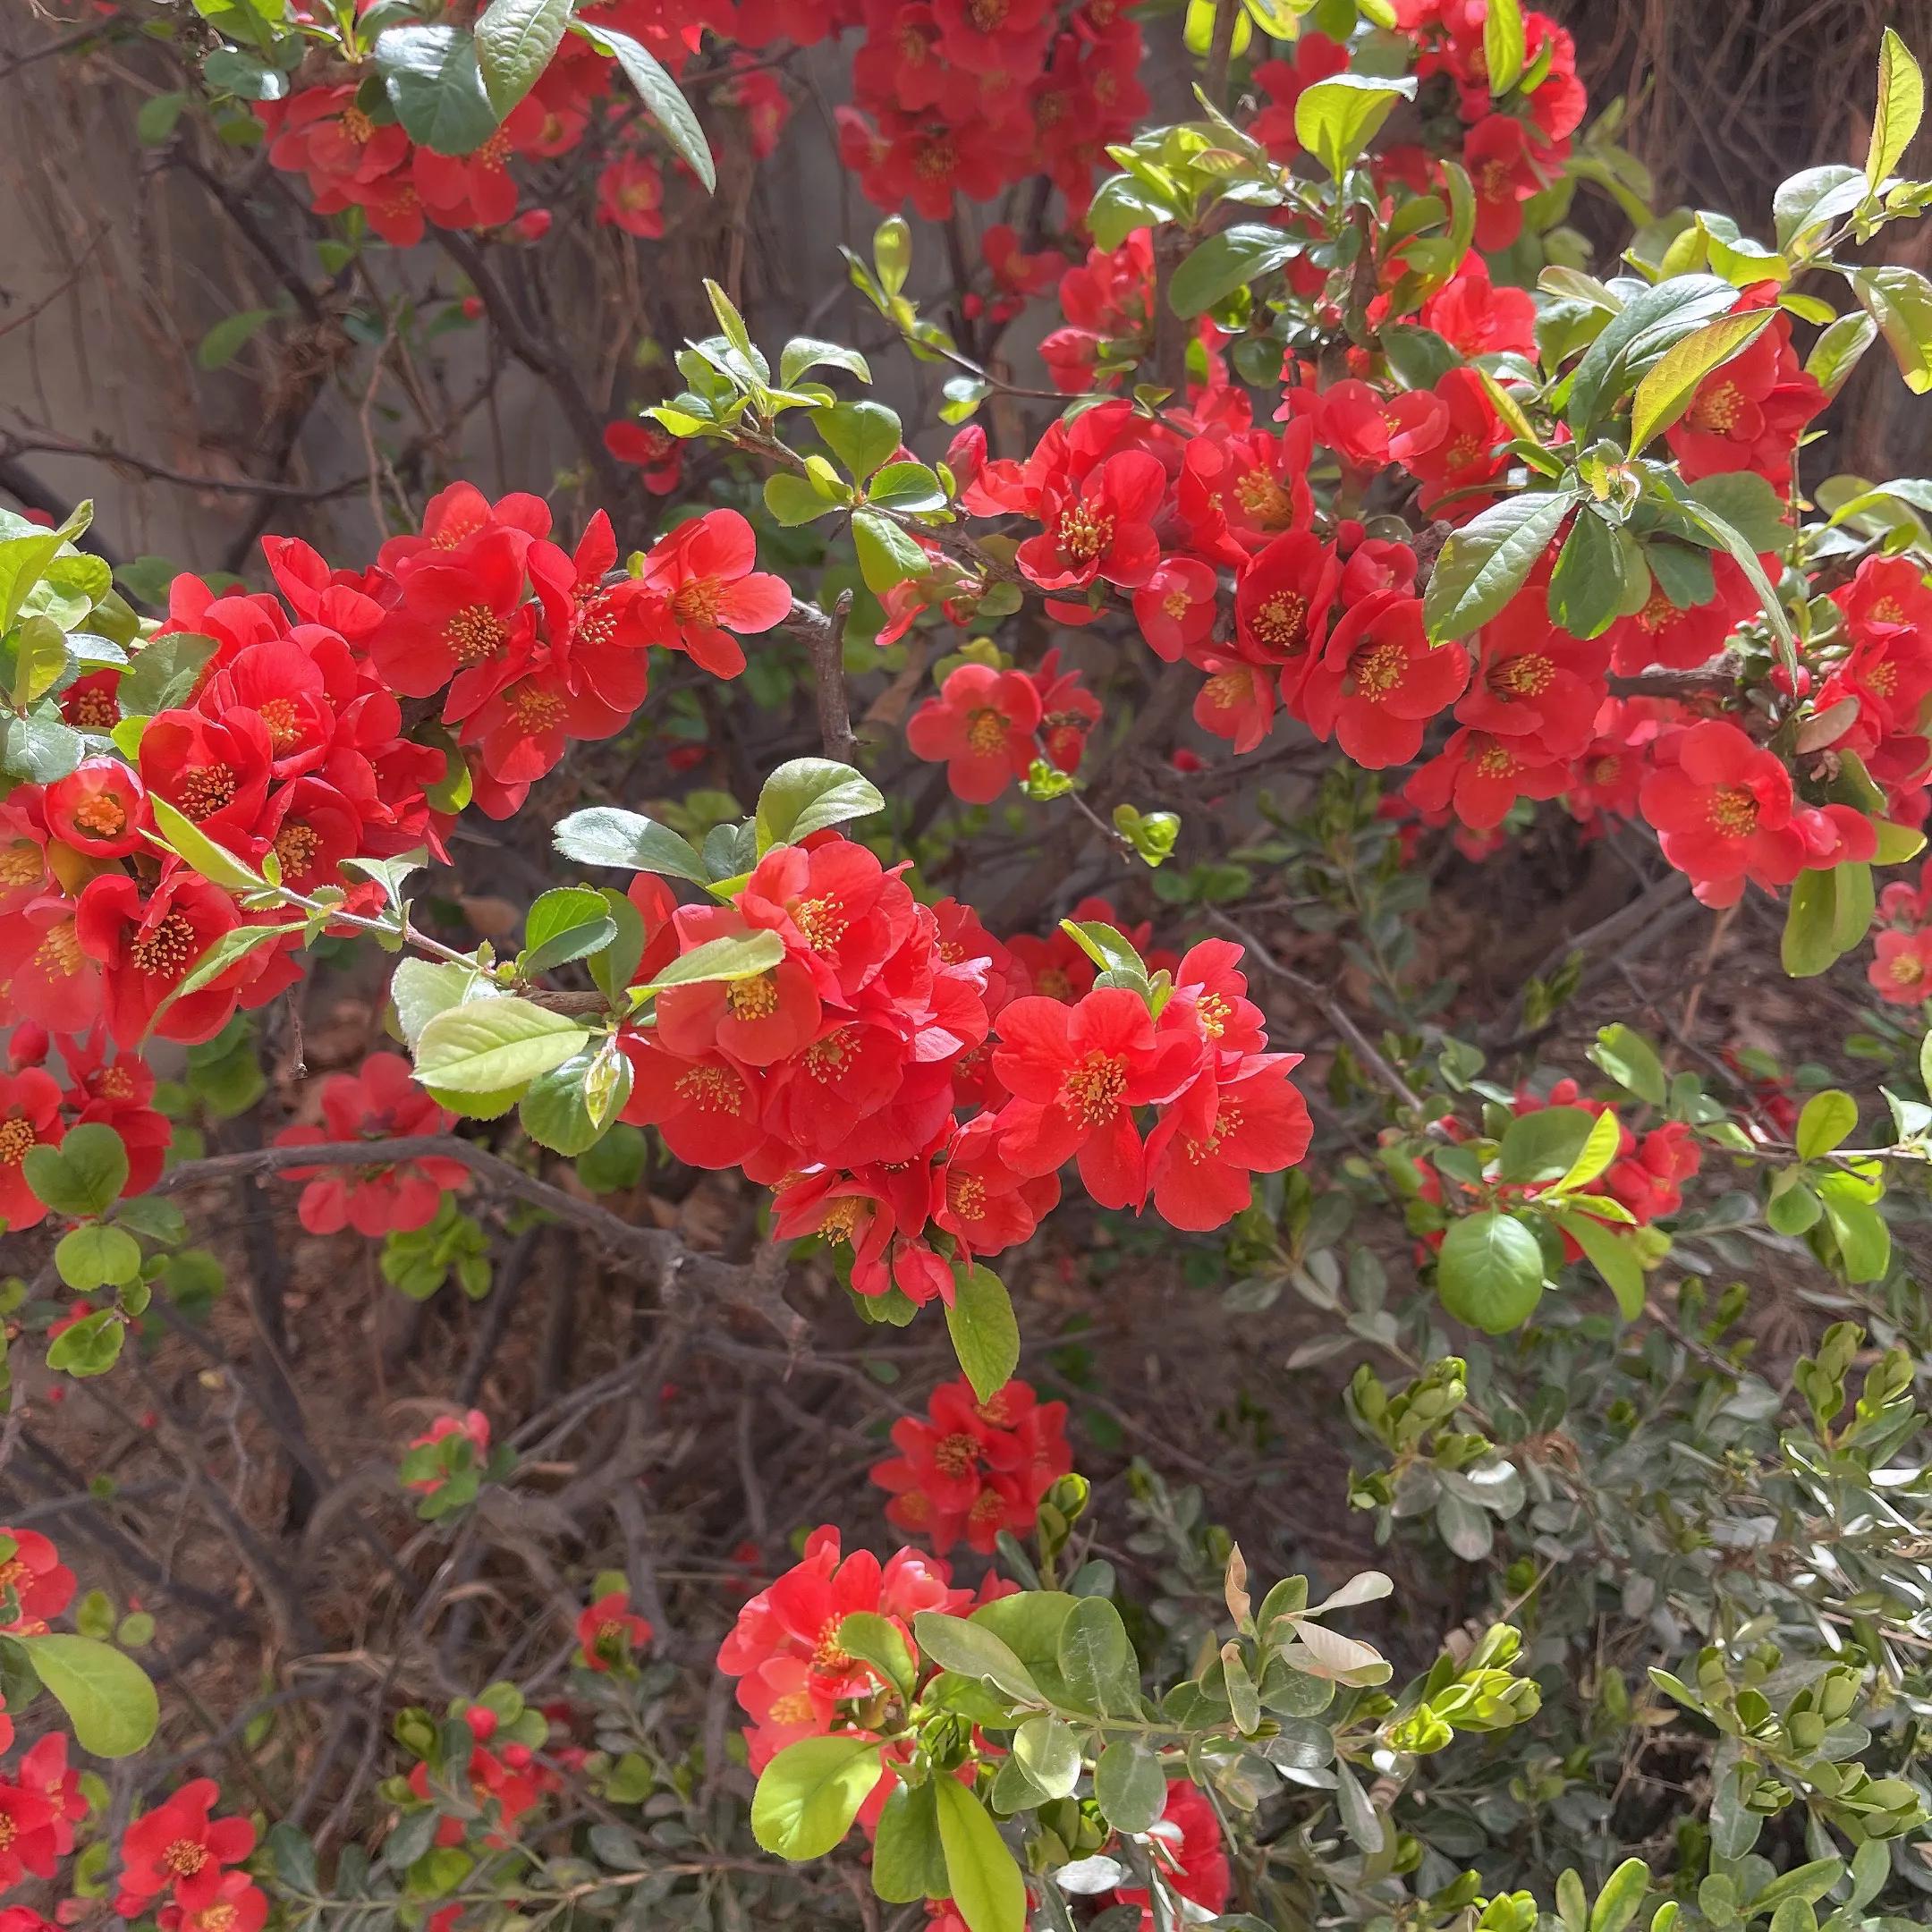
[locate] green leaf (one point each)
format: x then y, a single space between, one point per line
908 487
1049 1753
107 1696
1809 203
1636 337
808 795
154 124
981 1874
91 1347
433 81
186 839
1837 351
96 1255
422 988
1596 1153
1129 1786
804 353
1670 383
793 501
514 41
971 1650
237 943
566 923
1864 1240
603 834
1502 44
492 1045
229 337
164 673
23 560
1096 1659
1613 1256
556 1110
1540 1146
888 556
1600 576
40 656
1900 106
861 435
741 956
809 1793
1225 261
908 1858
40 749
1829 1120
864 1634
1489 1272
1337 118
1900 302
986 1337
83 1177
1487 560
1631 1060
1808 947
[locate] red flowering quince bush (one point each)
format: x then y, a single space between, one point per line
906 958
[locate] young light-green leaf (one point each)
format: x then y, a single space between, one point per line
107 1695
1827 1123
1489 1272
1337 118
809 1793
1502 44
490 1046
1900 108
986 1336
986 1880
1670 383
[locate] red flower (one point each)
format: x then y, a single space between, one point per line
1722 812
1476 318
1237 702
608 1631
630 192
1455 447
148 946
1748 413
986 1204
703 569
1233 1121
757 1019
99 809
981 724
178 1848
214 771
1068 711
1177 606
1496 153
26 1835
29 1117
1076 1075
1281 605
1379 680
1534 681
1188 1846
1885 597
1212 993
238 1905
655 452
460 615
1100 528
116 1093
1481 776
703 1105
44 1769
1682 639
35 1584
1900 970
381 1101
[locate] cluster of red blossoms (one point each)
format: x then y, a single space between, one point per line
1900 970
355 155
987 726
838 1075
379 1102
1646 1177
288 742
107 1088
967 97
973 1467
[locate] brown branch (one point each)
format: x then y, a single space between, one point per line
1220 51
61 287
654 1251
824 637
13 442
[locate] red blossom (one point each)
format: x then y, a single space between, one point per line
981 727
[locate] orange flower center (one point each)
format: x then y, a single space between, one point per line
966 1195
1658 611
1227 688
1095 1087
936 160
1228 1118
103 815
205 791
118 1083
1083 532
1495 761
1527 676
1281 622
296 845
474 633
986 731
1733 811
755 998
1906 968
536 710
358 126
1212 1010
956 1455
185 1857
697 602
16 1136
285 725
1606 769
794 1707
841 1218
821 922
1177 603
59 954
826 1656
20 864
1716 411
711 1089
1264 499
95 710
1379 670
218 1918
167 951
989 1507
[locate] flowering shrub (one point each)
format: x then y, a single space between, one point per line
1012 999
